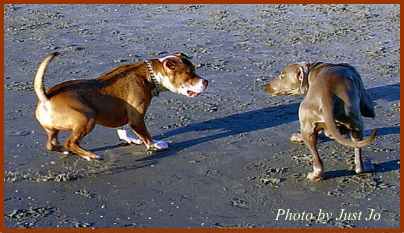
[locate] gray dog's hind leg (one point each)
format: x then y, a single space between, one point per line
357 136
310 140
296 138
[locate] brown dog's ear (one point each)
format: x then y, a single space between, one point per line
182 55
169 64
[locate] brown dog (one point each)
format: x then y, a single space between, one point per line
335 100
117 98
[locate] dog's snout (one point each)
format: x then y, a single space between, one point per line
205 83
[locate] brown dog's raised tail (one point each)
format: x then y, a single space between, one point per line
38 80
333 130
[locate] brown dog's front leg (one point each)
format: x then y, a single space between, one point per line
152 145
140 130
310 140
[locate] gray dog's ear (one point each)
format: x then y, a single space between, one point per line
303 76
300 74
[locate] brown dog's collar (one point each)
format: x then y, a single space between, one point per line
152 79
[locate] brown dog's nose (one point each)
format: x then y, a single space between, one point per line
205 83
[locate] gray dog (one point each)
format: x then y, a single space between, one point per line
335 101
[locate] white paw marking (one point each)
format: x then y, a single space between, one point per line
316 175
296 137
134 140
158 145
122 134
358 170
88 158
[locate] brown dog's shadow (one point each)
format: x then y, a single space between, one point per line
257 120
265 118
231 125
104 148
71 168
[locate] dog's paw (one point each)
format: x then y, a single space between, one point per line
132 140
122 134
92 157
315 176
161 145
359 170
367 166
296 138
158 145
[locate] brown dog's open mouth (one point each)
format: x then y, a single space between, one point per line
192 93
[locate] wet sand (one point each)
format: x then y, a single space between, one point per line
230 163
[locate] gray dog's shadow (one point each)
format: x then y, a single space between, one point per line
262 119
387 166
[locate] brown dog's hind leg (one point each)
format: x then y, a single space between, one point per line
310 140
83 126
53 143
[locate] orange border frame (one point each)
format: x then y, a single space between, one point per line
3 229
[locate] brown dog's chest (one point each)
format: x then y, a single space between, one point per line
115 110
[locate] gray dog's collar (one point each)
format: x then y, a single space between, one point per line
306 68
304 82
152 79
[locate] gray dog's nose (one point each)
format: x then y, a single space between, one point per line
268 88
205 83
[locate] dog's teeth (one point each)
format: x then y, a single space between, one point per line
65 152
